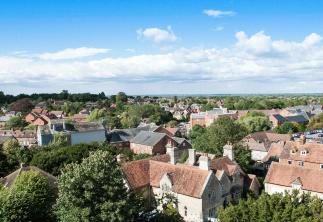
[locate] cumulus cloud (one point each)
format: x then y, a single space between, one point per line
157 35
72 53
260 43
257 60
218 13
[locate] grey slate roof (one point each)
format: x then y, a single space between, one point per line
88 126
297 118
9 180
122 135
279 117
125 135
148 138
179 140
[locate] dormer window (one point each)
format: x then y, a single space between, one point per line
165 188
303 152
293 151
301 163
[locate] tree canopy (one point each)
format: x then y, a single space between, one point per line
53 158
94 190
16 122
316 122
290 207
219 133
29 199
289 127
255 122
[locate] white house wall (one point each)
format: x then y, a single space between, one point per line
273 188
193 205
258 155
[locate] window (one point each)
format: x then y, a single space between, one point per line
212 212
185 211
289 162
303 152
301 163
321 166
165 188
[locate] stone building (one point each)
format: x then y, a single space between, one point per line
82 132
201 185
155 143
208 117
260 142
300 167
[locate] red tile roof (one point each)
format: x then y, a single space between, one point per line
187 180
137 172
172 130
227 165
285 175
314 152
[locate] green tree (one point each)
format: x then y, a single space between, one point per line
16 122
10 146
316 122
196 132
94 191
29 199
219 133
255 122
167 211
287 127
12 155
97 114
288 207
122 97
243 156
53 158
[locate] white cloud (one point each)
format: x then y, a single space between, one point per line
72 53
218 13
256 61
260 43
157 35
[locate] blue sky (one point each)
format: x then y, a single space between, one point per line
161 46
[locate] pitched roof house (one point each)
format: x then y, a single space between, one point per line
81 132
121 137
9 180
201 185
300 167
156 143
208 117
260 142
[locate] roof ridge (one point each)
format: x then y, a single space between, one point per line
181 165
